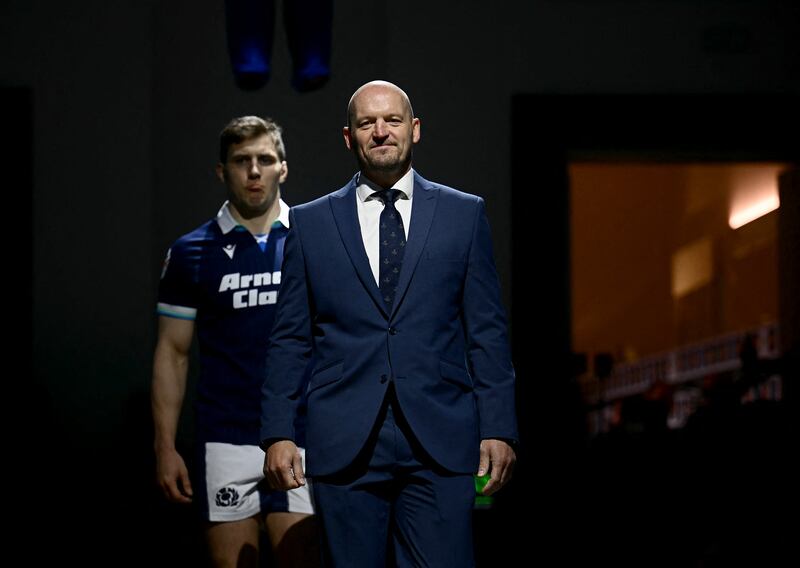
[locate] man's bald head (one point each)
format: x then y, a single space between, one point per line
376 86
381 131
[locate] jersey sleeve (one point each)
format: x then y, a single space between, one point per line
178 288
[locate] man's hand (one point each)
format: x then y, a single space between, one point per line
283 466
173 477
498 458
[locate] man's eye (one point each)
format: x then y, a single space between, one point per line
266 160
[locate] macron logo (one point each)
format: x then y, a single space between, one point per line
229 250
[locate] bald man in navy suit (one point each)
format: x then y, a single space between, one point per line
390 285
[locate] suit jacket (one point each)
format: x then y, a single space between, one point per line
443 344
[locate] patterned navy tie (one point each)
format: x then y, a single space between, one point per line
393 243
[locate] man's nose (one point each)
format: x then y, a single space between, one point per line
254 171
380 130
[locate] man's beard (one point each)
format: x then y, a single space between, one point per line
386 163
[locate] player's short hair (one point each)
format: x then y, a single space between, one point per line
246 128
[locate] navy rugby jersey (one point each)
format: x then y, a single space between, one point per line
220 277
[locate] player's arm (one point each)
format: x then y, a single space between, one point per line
170 369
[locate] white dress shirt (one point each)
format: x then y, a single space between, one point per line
369 214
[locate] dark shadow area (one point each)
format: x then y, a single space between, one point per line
27 406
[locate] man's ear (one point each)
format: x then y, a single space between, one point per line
347 140
220 169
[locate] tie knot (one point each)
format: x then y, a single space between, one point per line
388 195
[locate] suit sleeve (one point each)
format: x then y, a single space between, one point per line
488 352
289 349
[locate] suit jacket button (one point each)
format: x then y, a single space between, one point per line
384 378
393 331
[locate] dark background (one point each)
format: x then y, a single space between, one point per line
112 110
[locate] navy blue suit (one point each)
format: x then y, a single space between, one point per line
443 345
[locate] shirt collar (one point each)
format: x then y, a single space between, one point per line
367 187
283 216
227 223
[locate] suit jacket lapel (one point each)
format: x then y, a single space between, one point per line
343 205
422 209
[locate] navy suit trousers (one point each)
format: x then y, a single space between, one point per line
395 501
